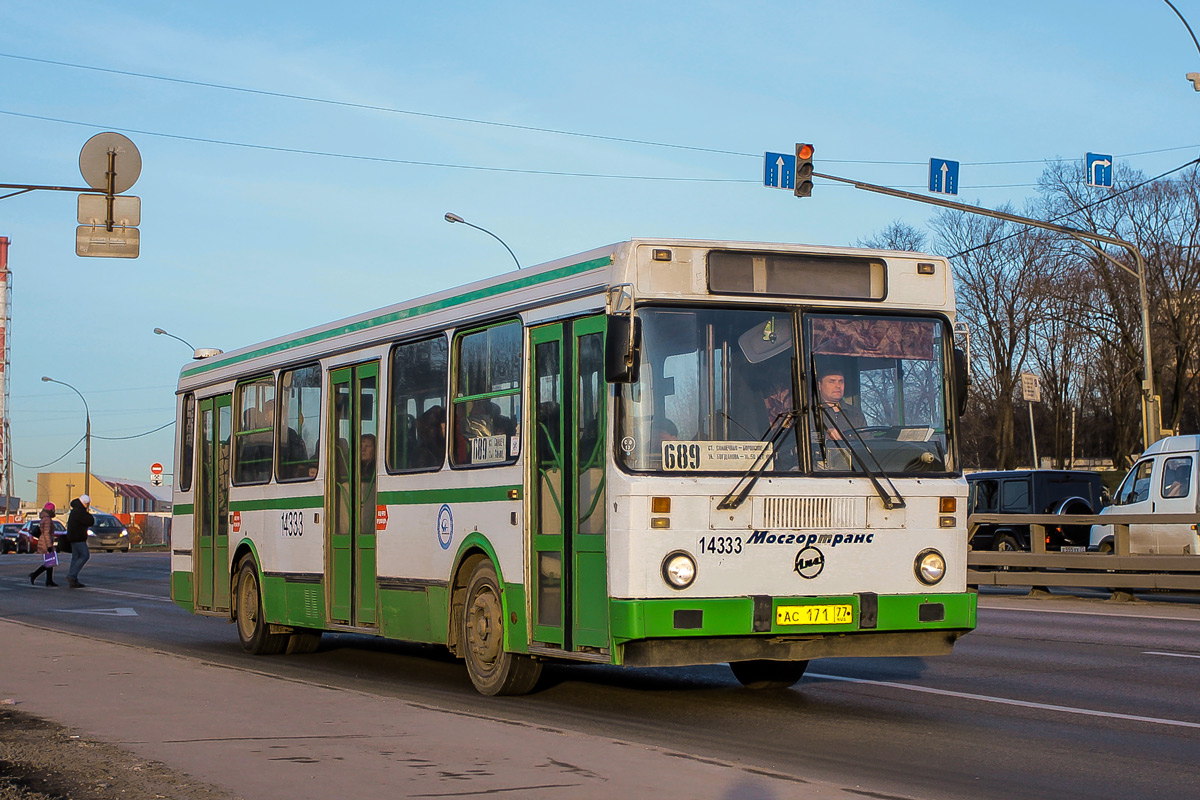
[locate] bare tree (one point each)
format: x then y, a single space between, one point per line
999 275
896 236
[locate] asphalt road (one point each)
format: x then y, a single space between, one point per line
1062 697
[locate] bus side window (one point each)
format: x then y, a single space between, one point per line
486 411
417 406
254 437
299 424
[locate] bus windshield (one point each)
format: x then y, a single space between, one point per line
716 383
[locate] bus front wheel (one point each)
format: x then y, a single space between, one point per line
493 670
253 631
762 674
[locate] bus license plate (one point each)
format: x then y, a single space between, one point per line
814 615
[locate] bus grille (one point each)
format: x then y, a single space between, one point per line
804 513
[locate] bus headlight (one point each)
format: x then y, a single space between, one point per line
679 570
930 567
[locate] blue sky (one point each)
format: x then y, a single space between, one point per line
240 244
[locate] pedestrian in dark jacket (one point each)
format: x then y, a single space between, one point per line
45 546
78 523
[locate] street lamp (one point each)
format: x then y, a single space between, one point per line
161 332
87 475
451 217
1194 77
197 353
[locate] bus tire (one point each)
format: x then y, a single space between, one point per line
303 641
762 674
492 670
253 631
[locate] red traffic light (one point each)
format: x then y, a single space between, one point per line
804 170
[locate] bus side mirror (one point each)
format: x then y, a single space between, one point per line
962 379
622 349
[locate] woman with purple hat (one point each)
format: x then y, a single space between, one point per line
45 547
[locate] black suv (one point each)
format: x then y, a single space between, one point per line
1034 491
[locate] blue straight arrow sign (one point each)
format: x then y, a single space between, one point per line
943 176
779 171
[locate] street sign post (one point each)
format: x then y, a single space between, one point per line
1031 392
779 171
109 163
943 176
156 473
1031 387
1099 170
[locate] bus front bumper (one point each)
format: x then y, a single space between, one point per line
678 632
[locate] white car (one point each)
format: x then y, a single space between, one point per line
1163 481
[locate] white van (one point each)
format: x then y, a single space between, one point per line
1163 481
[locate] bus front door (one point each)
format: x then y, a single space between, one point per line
212 505
567 521
350 564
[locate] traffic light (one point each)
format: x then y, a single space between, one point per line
804 170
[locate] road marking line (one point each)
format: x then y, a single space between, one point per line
157 597
1175 655
1085 613
106 612
1007 702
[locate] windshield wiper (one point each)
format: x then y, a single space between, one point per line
741 490
890 496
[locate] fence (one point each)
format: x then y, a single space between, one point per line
1118 571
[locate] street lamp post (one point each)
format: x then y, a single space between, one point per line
1194 77
87 475
161 332
451 217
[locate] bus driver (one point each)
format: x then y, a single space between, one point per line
835 409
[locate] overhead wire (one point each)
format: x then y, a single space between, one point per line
476 121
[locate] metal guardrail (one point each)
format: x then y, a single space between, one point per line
1118 571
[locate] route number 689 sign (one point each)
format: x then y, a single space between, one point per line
681 456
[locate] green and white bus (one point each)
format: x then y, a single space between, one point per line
627 456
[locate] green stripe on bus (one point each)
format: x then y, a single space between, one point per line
522 282
476 494
182 509
280 503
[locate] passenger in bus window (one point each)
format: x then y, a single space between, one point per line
662 430
366 475
431 438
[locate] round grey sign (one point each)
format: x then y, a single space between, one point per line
93 162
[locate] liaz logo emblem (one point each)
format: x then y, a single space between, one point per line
809 562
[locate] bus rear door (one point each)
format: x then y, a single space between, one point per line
212 505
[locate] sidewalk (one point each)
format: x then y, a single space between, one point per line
262 737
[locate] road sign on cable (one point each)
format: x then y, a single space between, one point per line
779 171
943 176
1099 170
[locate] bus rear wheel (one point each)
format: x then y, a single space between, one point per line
493 670
253 631
762 674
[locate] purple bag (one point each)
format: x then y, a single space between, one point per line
50 559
